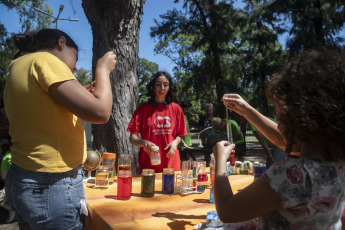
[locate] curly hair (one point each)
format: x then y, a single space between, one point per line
171 95
309 95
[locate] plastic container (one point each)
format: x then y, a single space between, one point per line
155 156
108 158
212 168
168 181
212 195
148 183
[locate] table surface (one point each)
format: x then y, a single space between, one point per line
159 212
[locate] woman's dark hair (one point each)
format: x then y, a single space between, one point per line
185 104
171 95
42 39
309 95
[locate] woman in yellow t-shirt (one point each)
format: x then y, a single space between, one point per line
44 103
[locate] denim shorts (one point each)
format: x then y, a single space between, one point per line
47 200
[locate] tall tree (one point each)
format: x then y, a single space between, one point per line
29 13
310 22
83 76
211 26
29 19
260 56
146 70
115 26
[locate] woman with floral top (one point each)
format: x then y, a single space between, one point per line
305 192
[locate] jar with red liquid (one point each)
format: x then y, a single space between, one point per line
124 185
201 171
124 163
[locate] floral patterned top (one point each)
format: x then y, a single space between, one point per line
310 192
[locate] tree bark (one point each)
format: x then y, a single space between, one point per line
115 26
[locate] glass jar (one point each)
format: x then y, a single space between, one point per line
102 176
124 163
201 171
148 183
168 181
111 173
258 169
124 185
108 158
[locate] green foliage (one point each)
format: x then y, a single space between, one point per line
145 69
29 19
83 76
219 49
28 12
312 22
199 40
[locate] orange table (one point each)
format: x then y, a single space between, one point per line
159 212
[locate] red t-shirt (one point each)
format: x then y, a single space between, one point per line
160 125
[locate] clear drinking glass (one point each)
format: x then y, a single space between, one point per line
111 173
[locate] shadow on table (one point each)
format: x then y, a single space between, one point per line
179 220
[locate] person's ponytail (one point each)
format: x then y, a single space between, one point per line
40 40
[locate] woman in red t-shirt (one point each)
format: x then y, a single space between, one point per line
160 121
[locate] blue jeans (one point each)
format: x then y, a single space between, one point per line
46 200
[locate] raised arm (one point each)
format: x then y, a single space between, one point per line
255 200
92 107
266 126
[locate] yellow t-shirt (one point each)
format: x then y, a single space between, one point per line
46 136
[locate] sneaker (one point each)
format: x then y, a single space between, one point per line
11 217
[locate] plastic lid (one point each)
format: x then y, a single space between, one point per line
212 156
108 155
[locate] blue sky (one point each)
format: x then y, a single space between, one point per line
81 31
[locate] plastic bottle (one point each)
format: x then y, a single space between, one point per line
212 168
212 195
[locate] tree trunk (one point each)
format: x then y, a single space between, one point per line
115 26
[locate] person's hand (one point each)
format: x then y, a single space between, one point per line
91 87
173 147
236 103
148 147
222 150
107 63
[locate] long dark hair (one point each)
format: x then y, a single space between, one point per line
42 39
171 95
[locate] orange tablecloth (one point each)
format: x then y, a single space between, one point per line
159 212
